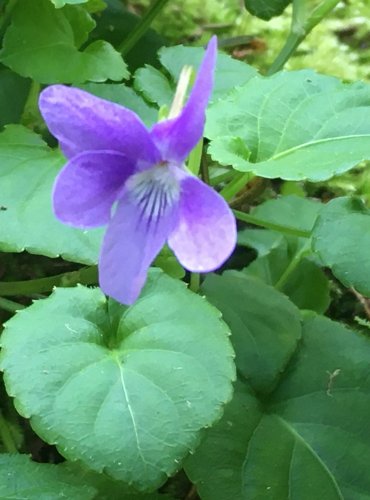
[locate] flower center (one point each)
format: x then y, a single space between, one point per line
154 191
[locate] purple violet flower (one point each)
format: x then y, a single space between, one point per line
134 180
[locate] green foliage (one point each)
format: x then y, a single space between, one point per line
43 43
13 95
156 88
266 9
341 238
27 172
120 399
22 478
125 96
297 125
260 341
308 436
139 384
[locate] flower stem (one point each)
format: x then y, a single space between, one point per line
195 158
279 285
10 305
251 219
142 27
6 436
217 179
194 284
239 180
303 22
85 276
291 44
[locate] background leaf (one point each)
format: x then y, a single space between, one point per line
291 211
43 43
22 478
266 9
297 125
13 95
27 172
156 88
131 399
306 285
260 339
114 25
341 238
62 3
125 96
308 438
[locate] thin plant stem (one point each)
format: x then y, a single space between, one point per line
251 219
239 180
31 109
302 24
195 158
217 179
290 46
142 27
85 276
6 436
279 285
194 284
10 305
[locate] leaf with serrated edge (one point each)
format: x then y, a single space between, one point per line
135 409
43 43
156 88
298 125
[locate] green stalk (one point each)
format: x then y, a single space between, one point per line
10 305
251 219
291 44
142 27
239 180
217 179
292 266
85 276
303 23
6 436
195 158
194 284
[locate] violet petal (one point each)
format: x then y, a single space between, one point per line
206 232
176 137
87 187
83 122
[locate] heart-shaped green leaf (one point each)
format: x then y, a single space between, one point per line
43 43
27 172
308 439
297 125
126 390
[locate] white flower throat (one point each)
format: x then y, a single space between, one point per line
154 191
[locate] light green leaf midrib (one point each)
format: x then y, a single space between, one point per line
312 452
314 143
